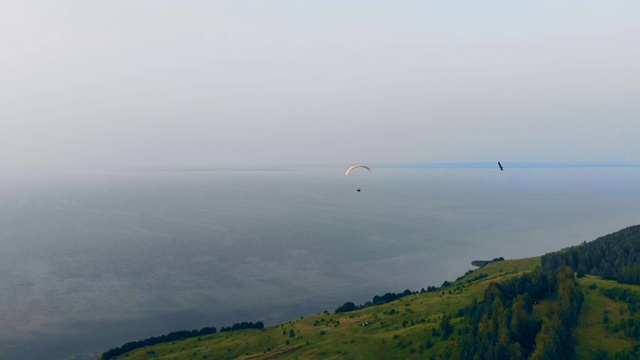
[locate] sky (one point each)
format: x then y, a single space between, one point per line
119 84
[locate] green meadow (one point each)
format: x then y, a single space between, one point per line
595 334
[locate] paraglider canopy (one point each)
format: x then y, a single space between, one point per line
355 166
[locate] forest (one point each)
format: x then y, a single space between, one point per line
614 257
503 325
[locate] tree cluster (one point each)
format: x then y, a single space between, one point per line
429 289
615 257
503 326
630 326
632 298
476 278
481 263
173 336
388 297
555 340
243 325
377 300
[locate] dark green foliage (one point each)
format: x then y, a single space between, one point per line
446 327
176 335
477 277
600 355
481 263
389 297
555 339
243 325
173 336
632 354
615 257
502 325
630 326
625 295
379 300
469 272
347 307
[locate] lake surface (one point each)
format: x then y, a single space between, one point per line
92 260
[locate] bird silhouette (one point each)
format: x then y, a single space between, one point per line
501 168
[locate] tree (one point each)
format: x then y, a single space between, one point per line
446 327
346 307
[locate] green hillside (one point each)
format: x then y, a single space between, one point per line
597 336
534 308
406 328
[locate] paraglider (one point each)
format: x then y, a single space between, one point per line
355 166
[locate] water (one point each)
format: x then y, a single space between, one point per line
92 260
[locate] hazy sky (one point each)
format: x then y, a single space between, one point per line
213 83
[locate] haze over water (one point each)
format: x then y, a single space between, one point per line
92 260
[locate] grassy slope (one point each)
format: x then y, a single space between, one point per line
398 334
591 334
398 330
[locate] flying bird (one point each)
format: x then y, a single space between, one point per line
501 168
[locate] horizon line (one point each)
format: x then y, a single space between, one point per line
506 165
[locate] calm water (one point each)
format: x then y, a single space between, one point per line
92 260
